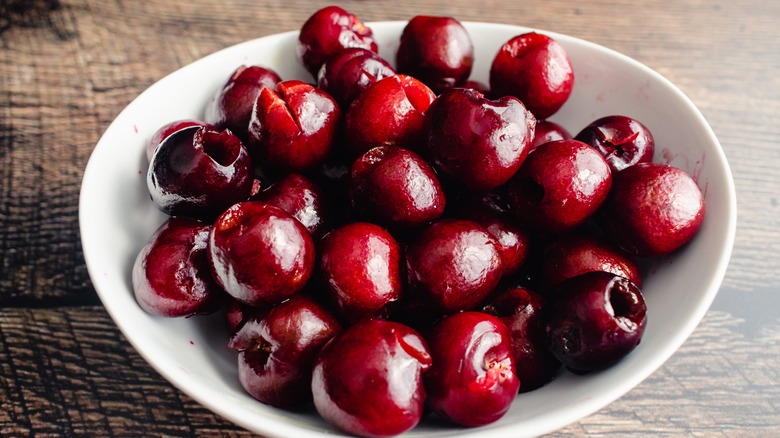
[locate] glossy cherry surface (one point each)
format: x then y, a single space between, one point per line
575 254
472 380
560 186
348 73
260 254
167 129
453 263
359 266
276 351
622 140
300 197
396 188
536 69
293 127
596 319
368 380
329 31
653 209
436 50
198 172
477 141
547 131
171 275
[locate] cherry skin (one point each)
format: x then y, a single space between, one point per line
231 106
622 140
436 50
388 113
237 312
293 127
596 319
276 351
347 74
522 311
453 263
571 255
367 381
300 197
653 209
167 129
536 69
171 273
560 186
329 31
396 188
359 266
478 142
472 380
260 254
198 172
547 131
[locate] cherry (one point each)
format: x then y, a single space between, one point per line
477 141
359 266
348 73
560 186
293 127
536 69
171 273
596 319
396 188
388 113
167 129
277 351
547 131
436 50
454 264
367 381
472 378
236 312
329 31
653 209
576 254
231 106
300 197
522 311
622 140
198 172
260 254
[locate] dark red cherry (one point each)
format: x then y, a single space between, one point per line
388 113
169 128
237 312
359 266
395 188
477 141
622 140
276 351
231 106
293 127
653 209
472 379
329 31
300 197
347 74
535 69
198 172
596 319
561 185
171 275
547 131
260 254
436 50
454 264
522 311
367 381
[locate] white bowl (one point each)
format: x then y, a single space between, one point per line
117 217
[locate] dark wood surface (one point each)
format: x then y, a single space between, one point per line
67 68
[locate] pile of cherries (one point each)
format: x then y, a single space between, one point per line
392 242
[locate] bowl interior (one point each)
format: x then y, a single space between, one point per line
117 218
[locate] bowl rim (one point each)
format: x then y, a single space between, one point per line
283 426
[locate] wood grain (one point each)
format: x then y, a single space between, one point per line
67 68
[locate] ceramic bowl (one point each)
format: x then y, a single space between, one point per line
117 217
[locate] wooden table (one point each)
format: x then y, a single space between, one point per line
68 67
